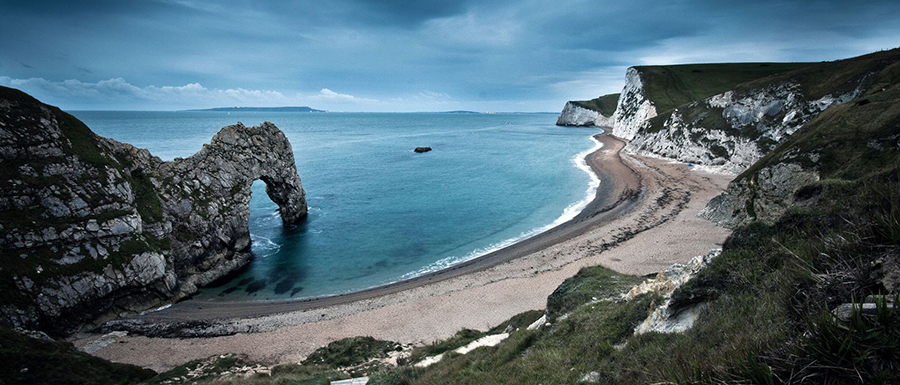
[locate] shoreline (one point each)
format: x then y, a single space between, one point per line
647 222
611 199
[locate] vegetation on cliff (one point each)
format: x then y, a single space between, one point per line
782 303
26 360
676 85
605 104
91 227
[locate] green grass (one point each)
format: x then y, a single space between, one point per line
766 298
559 354
145 197
605 104
590 283
25 360
351 352
768 292
852 140
834 77
675 85
465 336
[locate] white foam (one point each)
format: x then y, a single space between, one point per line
569 213
164 307
263 247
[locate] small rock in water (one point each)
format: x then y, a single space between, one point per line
422 149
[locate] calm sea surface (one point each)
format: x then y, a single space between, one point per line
379 212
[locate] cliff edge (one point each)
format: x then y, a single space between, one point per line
765 122
595 112
93 228
729 116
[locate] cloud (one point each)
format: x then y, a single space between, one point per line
373 55
431 95
329 94
118 93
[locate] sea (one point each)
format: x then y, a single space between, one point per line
378 212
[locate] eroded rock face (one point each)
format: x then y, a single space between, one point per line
634 109
733 130
666 317
93 228
765 196
574 115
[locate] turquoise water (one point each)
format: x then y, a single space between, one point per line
378 212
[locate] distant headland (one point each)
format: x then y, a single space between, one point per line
261 109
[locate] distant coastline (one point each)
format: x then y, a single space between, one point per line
310 109
259 109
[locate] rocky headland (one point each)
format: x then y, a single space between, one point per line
94 229
595 112
727 117
812 151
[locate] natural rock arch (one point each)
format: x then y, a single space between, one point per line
211 195
94 228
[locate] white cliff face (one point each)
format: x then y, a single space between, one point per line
731 131
633 110
575 115
605 121
697 145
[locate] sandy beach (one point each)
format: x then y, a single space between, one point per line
643 219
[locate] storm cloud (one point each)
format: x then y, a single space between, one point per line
398 55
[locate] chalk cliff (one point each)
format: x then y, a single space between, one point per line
734 128
729 116
93 228
595 112
634 108
574 115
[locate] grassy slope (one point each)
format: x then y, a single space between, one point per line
848 137
675 85
769 294
560 354
25 360
605 104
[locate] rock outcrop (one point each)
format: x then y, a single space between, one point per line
733 130
596 112
732 117
667 317
729 116
93 228
577 116
764 196
846 142
634 109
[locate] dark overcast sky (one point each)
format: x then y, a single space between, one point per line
350 55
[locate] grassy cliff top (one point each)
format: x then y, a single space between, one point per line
673 85
848 141
605 104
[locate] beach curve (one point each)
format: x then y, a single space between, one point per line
643 218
